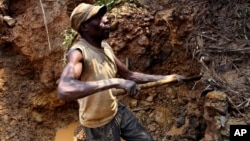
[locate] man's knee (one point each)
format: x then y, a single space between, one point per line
148 137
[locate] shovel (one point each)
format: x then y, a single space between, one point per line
170 80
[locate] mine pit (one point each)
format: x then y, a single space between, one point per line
184 37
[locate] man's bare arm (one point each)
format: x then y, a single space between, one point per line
141 77
70 88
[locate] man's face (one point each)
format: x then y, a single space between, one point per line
98 27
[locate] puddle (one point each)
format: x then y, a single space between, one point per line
66 133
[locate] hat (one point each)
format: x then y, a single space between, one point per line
84 12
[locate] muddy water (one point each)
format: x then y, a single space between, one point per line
66 133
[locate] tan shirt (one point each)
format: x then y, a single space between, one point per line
100 108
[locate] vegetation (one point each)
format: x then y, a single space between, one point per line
108 3
69 35
111 3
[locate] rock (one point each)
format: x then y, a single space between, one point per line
163 116
5 118
175 131
114 25
37 117
10 21
171 93
217 100
150 98
133 103
180 121
143 40
151 128
145 103
163 16
215 111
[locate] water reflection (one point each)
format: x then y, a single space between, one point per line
66 133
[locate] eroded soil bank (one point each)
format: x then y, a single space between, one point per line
157 37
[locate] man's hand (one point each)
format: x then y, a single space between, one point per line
130 86
179 78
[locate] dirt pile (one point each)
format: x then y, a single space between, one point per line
220 42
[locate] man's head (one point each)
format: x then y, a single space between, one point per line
89 19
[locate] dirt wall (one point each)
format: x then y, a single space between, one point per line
150 36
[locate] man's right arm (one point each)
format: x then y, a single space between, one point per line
70 88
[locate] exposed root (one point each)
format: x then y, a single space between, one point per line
45 24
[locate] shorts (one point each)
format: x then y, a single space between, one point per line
124 125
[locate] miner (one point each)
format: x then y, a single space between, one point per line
90 75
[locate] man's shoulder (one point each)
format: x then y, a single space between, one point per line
78 43
105 44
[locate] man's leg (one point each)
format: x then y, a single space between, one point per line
108 132
131 129
124 125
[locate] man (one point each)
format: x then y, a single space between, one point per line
89 77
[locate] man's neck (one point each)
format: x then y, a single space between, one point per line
94 42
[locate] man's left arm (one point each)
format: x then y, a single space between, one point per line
142 77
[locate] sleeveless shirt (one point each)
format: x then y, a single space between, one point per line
100 108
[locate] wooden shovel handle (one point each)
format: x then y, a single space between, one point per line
168 80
